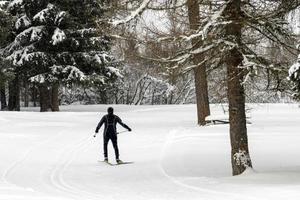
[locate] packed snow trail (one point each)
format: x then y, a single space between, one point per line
55 156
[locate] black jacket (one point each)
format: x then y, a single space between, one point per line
110 122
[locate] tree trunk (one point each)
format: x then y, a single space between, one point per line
201 94
3 96
14 95
55 99
116 92
203 109
34 95
240 157
102 99
45 98
26 94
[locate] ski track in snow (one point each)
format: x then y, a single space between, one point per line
57 174
18 162
9 171
171 138
56 177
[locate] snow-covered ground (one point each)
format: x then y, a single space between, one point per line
53 156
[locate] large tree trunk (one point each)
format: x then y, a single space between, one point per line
240 157
14 95
200 71
45 98
55 99
3 97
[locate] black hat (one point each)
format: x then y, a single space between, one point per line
110 110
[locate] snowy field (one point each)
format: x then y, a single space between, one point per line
53 156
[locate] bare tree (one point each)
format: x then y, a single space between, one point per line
199 71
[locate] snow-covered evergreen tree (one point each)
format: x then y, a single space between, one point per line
60 41
5 29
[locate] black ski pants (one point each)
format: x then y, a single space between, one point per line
114 139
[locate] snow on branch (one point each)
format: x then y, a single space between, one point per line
115 71
43 14
3 4
59 17
294 72
15 3
58 36
20 57
84 32
38 79
169 87
74 73
31 34
23 21
211 22
184 57
210 25
97 40
133 14
68 72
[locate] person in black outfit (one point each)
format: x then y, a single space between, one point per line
110 132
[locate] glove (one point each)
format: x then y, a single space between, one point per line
129 129
95 133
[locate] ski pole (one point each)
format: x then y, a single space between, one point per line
122 131
117 133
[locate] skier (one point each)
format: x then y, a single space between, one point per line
110 132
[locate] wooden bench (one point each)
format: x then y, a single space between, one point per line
220 119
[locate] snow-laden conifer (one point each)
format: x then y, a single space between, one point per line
60 41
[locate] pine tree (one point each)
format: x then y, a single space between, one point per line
5 28
61 42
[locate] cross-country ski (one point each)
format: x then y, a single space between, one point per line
116 164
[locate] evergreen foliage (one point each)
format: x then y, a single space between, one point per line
6 25
60 41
